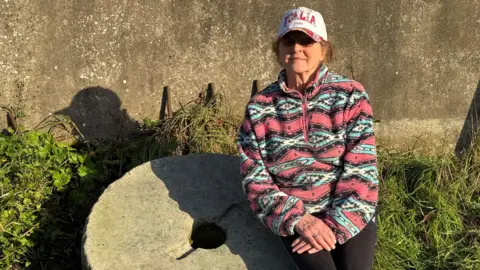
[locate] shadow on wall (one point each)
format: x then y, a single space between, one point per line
207 189
470 126
98 114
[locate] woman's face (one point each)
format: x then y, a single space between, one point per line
298 53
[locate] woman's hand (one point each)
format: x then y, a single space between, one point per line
314 234
300 246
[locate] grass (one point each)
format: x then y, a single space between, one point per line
429 212
201 127
429 205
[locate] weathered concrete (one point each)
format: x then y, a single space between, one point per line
424 135
144 220
3 119
418 60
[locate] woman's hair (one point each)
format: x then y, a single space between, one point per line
327 46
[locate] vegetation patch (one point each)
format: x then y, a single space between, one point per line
429 215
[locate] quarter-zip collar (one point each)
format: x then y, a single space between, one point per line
313 85
311 88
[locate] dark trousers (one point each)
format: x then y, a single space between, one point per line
356 253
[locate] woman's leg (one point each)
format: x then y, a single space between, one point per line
358 252
321 260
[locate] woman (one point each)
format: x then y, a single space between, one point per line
308 153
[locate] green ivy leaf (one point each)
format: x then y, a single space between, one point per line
82 171
61 179
81 159
58 184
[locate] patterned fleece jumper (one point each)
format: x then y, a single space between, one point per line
311 152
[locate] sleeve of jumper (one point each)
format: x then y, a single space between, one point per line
356 192
276 210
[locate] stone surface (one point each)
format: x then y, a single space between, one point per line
418 59
144 220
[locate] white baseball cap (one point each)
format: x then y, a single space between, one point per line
305 20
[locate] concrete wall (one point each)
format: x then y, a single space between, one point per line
418 60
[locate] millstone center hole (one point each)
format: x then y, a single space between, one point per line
207 235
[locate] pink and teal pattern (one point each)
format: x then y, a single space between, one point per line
311 152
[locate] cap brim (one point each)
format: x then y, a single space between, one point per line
309 33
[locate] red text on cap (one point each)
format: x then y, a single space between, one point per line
300 15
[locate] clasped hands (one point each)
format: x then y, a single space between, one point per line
315 235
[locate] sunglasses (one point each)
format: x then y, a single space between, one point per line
296 37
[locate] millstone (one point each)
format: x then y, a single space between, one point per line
153 216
